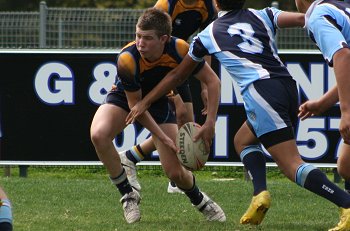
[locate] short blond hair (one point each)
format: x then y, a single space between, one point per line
155 19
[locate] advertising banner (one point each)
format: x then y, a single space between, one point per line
48 100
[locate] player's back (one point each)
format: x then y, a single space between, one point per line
187 18
244 42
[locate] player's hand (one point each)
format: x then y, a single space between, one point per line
206 132
309 108
139 108
344 127
170 143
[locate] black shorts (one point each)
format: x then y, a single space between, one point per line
185 92
160 110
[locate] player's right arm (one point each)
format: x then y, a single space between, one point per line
290 19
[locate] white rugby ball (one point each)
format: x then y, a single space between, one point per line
192 155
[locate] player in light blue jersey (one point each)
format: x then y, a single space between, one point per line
243 40
328 25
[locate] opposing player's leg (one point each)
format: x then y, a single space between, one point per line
251 154
311 178
272 114
109 120
5 212
134 155
184 179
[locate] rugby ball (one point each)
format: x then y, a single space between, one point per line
192 155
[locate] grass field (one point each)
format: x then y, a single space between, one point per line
83 199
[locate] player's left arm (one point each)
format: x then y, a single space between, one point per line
208 77
147 121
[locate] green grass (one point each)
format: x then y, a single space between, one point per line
68 199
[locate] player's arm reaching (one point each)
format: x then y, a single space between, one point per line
176 77
317 107
290 19
145 119
148 122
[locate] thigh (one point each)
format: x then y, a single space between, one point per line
244 137
108 121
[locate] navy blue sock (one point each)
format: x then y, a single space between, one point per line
255 163
194 194
5 226
347 186
135 154
317 182
122 183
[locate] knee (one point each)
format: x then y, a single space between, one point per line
344 172
97 137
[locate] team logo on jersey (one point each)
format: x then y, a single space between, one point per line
178 21
252 115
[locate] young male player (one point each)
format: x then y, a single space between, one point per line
141 66
243 40
5 212
187 16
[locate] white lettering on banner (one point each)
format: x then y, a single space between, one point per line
312 142
311 84
221 137
230 93
105 75
54 84
129 138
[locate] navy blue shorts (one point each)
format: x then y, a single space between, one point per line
185 92
159 110
272 109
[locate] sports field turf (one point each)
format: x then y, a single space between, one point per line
83 199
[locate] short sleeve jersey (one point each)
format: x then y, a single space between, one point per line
244 43
187 19
328 25
137 73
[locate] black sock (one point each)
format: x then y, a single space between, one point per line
135 154
194 194
347 186
255 163
317 182
131 157
122 183
5 226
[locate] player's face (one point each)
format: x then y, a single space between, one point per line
149 44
